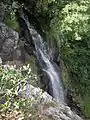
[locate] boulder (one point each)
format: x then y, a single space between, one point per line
8 42
47 107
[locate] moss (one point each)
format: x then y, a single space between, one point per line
32 63
12 22
86 105
50 104
64 74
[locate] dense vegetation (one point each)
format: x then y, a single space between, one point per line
68 23
13 105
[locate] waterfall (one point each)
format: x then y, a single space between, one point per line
45 63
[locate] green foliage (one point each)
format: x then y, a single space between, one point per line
76 20
11 18
75 48
10 81
68 22
86 104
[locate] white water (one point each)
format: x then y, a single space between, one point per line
57 86
44 60
55 80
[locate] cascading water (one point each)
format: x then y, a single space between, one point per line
54 78
45 63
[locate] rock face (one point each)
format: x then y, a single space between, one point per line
8 41
47 108
11 48
2 9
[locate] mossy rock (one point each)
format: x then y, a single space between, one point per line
34 68
64 74
86 105
12 22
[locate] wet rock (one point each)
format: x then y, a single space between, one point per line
73 103
54 52
47 85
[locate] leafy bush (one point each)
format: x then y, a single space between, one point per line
12 104
13 80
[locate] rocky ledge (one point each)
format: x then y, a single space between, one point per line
46 106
